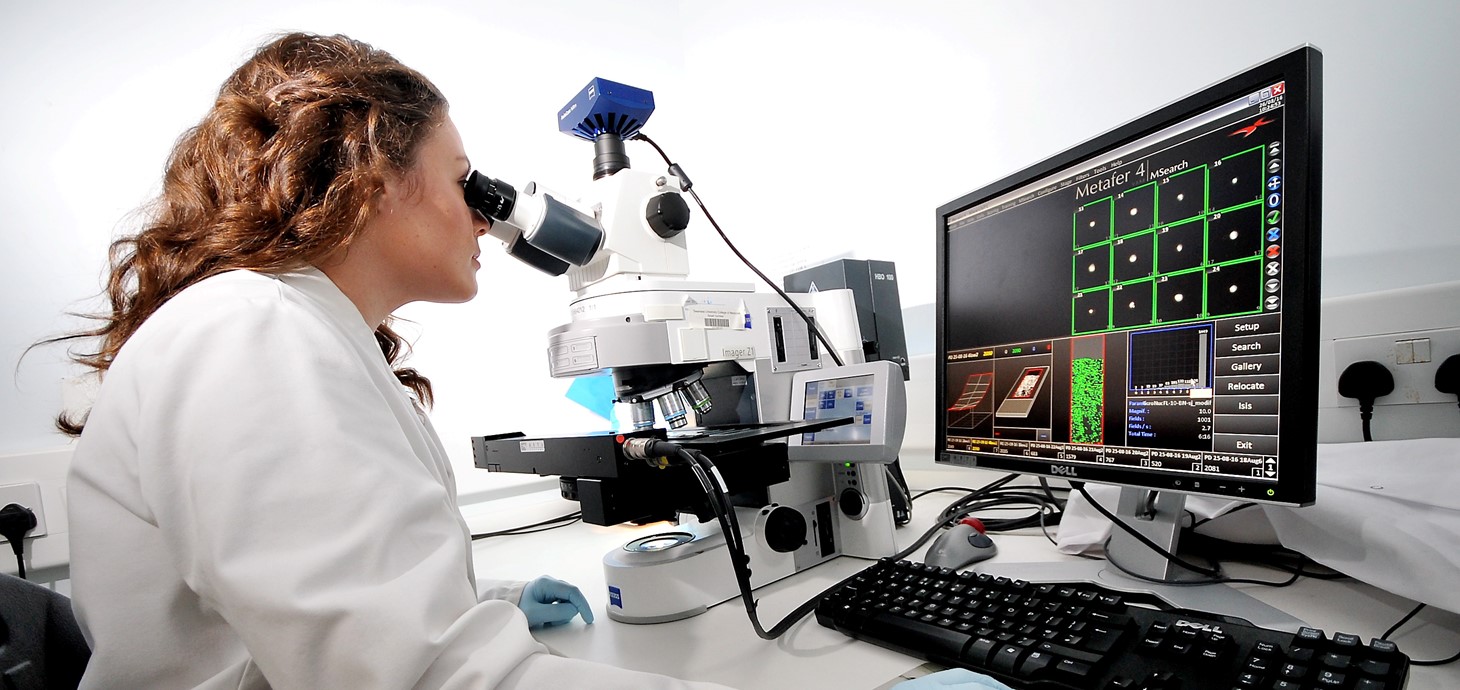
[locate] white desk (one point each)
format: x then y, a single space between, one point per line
721 646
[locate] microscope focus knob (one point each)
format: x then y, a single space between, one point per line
785 529
667 214
853 504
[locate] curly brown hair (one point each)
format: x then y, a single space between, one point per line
278 175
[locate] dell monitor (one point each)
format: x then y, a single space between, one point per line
1142 309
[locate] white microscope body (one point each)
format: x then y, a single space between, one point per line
635 315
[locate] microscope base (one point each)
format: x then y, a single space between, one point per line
682 572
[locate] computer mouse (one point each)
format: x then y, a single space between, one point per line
963 544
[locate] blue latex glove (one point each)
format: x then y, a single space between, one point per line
549 601
952 679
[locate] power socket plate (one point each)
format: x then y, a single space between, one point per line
1414 382
27 494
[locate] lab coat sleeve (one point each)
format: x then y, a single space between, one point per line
505 590
293 504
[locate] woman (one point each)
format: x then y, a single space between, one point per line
257 498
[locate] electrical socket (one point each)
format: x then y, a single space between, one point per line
1414 382
27 494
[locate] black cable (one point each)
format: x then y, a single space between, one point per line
689 187
1435 662
1209 572
1213 573
1049 510
566 520
730 526
1415 662
991 496
1394 628
1269 555
1198 523
715 491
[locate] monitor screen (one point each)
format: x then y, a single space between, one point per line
836 398
1141 309
871 395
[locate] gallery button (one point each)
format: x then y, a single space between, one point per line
1264 384
1244 443
1247 404
1247 365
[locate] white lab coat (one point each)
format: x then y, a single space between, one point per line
257 502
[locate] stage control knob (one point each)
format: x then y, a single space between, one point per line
785 529
853 503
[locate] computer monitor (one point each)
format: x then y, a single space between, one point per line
1142 309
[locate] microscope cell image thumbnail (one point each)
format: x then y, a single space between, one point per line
1181 247
1235 234
1179 297
1238 180
1135 210
1092 267
1092 223
1134 257
1183 195
1092 311
1235 288
1130 305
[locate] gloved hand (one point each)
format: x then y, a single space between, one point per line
952 679
549 601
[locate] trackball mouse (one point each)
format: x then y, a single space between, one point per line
961 545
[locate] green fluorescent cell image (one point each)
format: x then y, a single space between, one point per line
1087 400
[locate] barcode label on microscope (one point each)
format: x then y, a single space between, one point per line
716 322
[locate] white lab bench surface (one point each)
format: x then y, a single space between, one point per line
721 646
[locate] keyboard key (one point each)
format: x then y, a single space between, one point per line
1073 669
979 652
1035 665
1007 658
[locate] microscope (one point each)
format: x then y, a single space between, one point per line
800 427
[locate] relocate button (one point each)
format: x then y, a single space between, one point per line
1244 443
1264 384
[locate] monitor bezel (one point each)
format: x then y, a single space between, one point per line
1301 68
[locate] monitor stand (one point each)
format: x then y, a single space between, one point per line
1157 516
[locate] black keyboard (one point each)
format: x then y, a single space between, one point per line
1087 637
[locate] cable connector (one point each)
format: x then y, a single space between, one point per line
15 521
651 450
1366 381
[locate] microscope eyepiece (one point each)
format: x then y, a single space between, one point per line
490 197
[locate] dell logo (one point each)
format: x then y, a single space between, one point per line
1199 626
1062 471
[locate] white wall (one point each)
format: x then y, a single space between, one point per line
812 128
